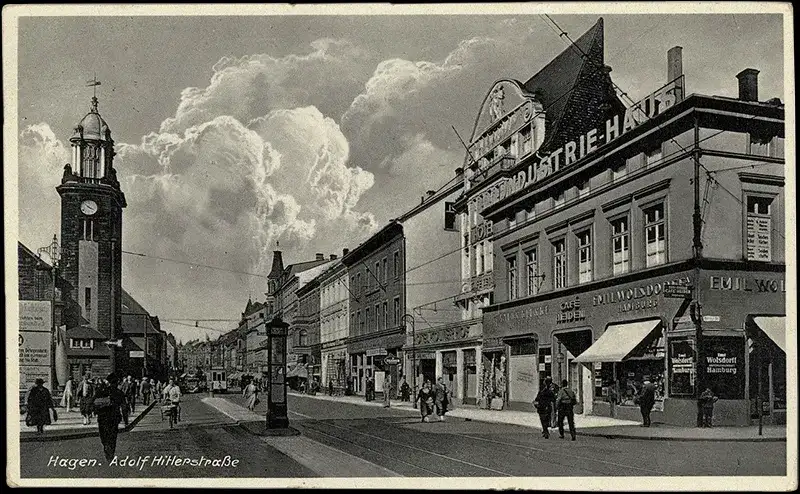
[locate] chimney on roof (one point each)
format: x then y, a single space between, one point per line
675 68
459 171
320 256
430 193
748 85
345 252
334 256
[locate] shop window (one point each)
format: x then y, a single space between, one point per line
559 264
511 265
655 235
532 271
523 347
584 256
620 242
759 228
525 141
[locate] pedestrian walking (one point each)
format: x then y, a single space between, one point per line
426 398
330 388
387 392
565 400
370 389
646 398
441 398
40 402
544 402
86 398
554 411
145 391
108 403
405 390
154 392
707 400
250 395
124 386
173 397
68 399
133 392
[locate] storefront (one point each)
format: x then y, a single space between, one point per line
368 358
334 366
606 341
450 352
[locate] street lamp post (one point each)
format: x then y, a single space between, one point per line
413 356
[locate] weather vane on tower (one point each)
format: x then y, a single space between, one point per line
93 84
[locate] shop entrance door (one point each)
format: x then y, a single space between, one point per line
470 392
427 368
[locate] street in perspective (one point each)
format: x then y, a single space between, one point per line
518 250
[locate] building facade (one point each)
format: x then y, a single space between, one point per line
144 351
656 253
438 341
517 125
334 324
377 303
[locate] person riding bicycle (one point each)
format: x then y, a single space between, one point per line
172 395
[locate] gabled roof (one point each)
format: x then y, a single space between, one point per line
569 91
85 331
130 305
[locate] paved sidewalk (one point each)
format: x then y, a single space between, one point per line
70 425
589 425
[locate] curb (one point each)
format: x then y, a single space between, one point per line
27 437
600 434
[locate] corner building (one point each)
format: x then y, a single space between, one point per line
597 272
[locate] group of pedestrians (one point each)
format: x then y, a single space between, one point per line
434 400
554 404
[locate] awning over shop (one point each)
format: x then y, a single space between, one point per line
618 341
775 328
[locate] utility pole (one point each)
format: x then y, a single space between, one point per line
413 356
53 251
697 247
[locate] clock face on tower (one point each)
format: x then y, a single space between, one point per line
88 207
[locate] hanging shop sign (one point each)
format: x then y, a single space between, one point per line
577 149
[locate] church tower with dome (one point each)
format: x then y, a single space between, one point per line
91 243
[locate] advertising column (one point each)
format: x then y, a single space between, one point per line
35 344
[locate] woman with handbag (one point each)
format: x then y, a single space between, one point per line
40 402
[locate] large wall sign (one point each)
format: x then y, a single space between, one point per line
35 343
724 366
572 151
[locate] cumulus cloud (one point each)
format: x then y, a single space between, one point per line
247 87
42 157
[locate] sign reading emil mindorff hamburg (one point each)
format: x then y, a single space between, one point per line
455 245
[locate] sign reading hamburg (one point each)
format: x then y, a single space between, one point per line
571 151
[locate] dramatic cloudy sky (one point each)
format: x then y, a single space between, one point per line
236 132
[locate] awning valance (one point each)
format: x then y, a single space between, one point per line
618 341
774 327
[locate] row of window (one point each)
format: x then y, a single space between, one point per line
380 318
655 248
377 277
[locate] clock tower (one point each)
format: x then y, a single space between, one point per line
91 239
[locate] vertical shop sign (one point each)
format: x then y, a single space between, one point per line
682 357
724 366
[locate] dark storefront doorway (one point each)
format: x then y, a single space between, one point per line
566 346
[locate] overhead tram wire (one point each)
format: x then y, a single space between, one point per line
179 261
